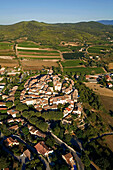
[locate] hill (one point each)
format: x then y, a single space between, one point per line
106 22
55 33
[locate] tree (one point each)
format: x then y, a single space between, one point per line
25 130
86 160
21 107
9 104
50 141
16 102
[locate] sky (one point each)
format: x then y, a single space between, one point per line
55 11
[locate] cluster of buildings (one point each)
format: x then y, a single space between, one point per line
48 91
45 92
96 78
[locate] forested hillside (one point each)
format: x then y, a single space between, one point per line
55 33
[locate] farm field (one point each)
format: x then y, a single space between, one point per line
37 53
36 64
37 50
109 141
39 57
85 70
6 46
7 49
99 90
97 49
28 44
71 56
72 63
76 48
8 62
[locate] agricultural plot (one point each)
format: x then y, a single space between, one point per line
71 56
29 44
72 63
76 48
6 46
8 62
7 49
36 53
99 49
37 64
86 70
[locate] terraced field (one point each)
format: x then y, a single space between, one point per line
38 53
99 49
7 49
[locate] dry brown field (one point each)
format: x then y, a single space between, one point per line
109 141
37 64
99 90
8 63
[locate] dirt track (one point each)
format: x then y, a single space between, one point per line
99 90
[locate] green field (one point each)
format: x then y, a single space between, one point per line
33 58
85 70
41 54
6 46
76 48
70 56
28 44
38 51
97 49
72 63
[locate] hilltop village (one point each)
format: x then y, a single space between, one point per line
42 113
45 93
48 91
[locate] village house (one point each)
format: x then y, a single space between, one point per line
2 103
10 98
69 160
10 142
10 120
109 85
4 96
42 149
27 154
15 127
3 108
12 112
108 78
78 109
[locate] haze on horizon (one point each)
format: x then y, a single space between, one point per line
55 11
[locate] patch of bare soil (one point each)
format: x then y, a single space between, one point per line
99 89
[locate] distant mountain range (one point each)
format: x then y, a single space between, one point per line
55 33
106 22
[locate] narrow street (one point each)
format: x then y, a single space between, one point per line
79 162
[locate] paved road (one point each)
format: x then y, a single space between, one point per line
22 159
79 162
34 151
